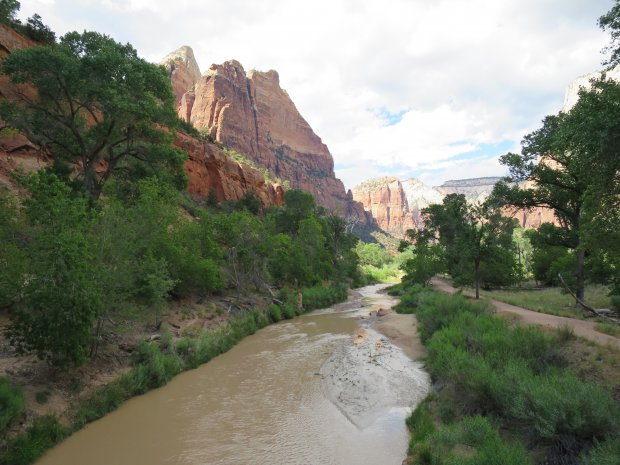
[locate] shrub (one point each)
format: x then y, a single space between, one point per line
11 403
321 296
437 311
471 441
604 453
44 433
409 297
288 310
420 423
275 314
152 368
514 375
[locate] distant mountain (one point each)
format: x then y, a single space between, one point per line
474 190
396 205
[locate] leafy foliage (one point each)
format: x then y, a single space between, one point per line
473 242
99 103
576 176
11 403
511 375
60 297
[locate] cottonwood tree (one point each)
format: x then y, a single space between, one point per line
95 102
476 241
572 164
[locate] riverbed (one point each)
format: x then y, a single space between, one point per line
323 388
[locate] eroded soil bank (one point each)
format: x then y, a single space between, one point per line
324 388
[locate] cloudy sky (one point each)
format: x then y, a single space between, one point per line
433 89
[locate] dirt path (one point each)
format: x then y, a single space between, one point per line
581 328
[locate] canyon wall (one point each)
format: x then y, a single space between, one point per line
207 167
396 205
251 114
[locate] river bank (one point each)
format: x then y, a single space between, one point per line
261 402
137 357
509 392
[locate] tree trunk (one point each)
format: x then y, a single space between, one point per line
579 273
477 279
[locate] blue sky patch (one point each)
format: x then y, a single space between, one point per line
390 119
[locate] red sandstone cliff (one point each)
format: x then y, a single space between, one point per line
184 72
385 199
396 205
208 168
253 115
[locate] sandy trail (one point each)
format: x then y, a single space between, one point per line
581 328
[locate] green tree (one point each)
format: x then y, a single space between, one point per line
243 238
298 205
13 257
571 164
476 241
427 260
610 21
60 295
8 10
547 253
37 30
99 104
373 254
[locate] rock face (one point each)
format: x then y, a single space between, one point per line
419 196
572 90
386 201
11 41
183 71
251 114
474 190
396 206
209 169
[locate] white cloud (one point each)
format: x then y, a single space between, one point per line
466 73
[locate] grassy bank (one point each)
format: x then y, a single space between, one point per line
504 395
552 300
154 364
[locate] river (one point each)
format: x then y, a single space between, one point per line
323 388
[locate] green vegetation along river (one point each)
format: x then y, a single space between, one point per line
324 388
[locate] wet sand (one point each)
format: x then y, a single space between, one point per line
378 371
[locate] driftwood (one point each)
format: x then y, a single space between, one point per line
602 312
273 296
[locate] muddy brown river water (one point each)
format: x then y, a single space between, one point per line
318 389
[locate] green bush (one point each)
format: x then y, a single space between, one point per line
11 403
511 374
471 441
275 314
288 310
420 423
152 368
554 404
105 400
409 297
322 297
44 433
436 311
604 453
